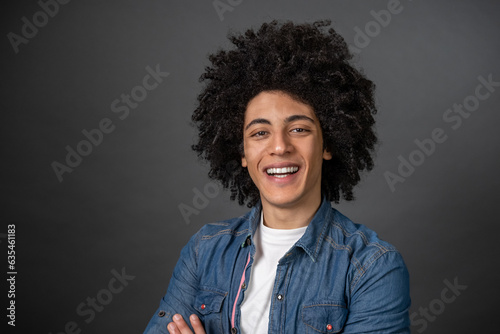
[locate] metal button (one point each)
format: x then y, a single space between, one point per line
244 285
203 306
280 296
329 327
234 330
161 314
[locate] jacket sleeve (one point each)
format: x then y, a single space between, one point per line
181 290
380 297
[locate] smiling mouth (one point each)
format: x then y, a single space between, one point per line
281 172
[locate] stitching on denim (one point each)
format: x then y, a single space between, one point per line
361 269
224 295
225 232
211 289
357 264
338 246
318 241
285 285
374 258
273 300
218 224
365 268
167 315
196 250
313 305
316 329
362 236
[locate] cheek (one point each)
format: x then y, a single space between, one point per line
248 161
252 152
314 156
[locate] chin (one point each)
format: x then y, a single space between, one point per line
282 200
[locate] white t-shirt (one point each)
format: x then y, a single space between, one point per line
270 246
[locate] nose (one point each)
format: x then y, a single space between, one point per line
280 144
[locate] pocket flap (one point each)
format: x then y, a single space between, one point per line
326 317
209 300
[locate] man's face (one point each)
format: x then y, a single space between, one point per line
283 150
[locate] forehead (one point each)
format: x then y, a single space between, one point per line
276 104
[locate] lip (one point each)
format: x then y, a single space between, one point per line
284 180
280 165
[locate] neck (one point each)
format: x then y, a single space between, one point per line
290 217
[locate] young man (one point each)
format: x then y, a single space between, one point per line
288 105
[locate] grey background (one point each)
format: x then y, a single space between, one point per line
119 207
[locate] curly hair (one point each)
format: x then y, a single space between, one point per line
310 63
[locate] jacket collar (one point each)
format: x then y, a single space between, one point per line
315 233
311 241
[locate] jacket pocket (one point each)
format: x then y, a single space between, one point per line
324 317
209 302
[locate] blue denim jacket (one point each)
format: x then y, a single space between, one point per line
338 278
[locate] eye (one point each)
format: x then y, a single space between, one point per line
299 130
259 134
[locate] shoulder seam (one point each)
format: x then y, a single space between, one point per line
364 268
361 235
224 232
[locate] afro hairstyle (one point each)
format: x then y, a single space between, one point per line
310 63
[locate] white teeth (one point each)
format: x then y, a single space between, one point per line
284 170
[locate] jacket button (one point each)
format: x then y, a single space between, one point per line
280 297
203 306
161 314
329 327
234 330
244 285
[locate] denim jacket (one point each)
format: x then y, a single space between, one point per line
337 278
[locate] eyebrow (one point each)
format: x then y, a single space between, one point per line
289 119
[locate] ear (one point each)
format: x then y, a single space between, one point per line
327 155
243 162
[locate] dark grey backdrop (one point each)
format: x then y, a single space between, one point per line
118 210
